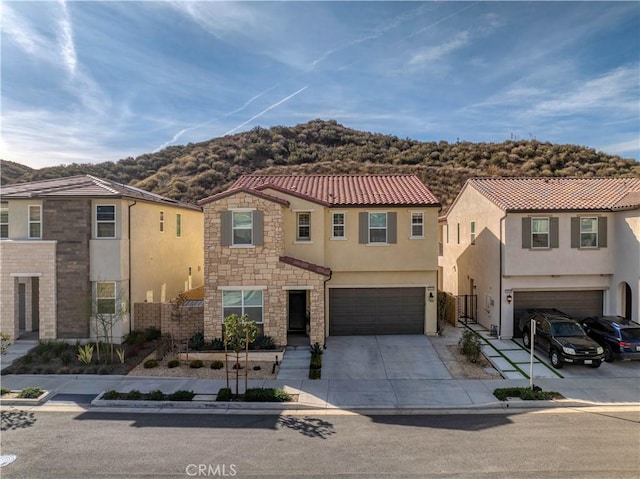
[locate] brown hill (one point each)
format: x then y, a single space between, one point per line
194 171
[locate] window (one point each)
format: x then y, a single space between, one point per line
105 221
243 302
458 225
178 225
162 222
337 225
242 227
377 227
588 232
35 221
4 221
472 235
106 297
304 227
417 224
539 232
447 227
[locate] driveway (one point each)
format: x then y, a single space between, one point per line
382 357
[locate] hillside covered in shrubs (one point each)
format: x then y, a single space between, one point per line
196 170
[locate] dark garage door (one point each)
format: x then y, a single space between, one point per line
376 311
576 304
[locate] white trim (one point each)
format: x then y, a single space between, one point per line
241 246
115 221
344 225
242 210
295 288
338 238
29 222
303 210
9 240
377 286
378 244
26 275
421 213
241 288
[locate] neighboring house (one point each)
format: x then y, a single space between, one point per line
515 243
74 247
331 255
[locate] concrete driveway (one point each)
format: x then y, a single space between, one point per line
382 357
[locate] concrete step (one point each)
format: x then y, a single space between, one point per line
297 363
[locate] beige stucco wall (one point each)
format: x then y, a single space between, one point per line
25 259
19 217
627 262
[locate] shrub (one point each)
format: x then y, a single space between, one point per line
30 393
120 354
217 365
196 364
104 370
181 395
525 393
174 363
4 391
59 348
224 394
66 357
152 334
5 341
217 344
470 345
64 370
164 346
27 359
267 395
133 395
196 342
257 368
111 395
263 343
238 366
150 363
315 373
316 349
155 395
85 353
316 362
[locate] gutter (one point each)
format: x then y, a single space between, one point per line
326 303
129 262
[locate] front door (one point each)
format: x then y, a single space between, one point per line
297 311
22 296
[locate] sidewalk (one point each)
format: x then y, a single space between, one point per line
382 396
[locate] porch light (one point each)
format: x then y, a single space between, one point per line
509 298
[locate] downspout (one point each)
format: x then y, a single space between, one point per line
129 262
326 302
501 275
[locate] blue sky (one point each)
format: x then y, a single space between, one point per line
101 80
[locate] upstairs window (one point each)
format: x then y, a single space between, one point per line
162 222
337 226
242 227
105 221
4 221
303 226
472 232
377 227
589 232
417 224
178 225
540 232
35 221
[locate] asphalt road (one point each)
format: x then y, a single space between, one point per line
558 444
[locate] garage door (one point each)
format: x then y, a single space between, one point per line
576 304
376 311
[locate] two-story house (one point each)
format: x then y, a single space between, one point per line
74 248
567 243
330 254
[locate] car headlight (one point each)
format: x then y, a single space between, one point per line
599 350
568 350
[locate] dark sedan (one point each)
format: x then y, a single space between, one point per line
619 337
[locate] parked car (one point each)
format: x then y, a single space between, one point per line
619 337
561 337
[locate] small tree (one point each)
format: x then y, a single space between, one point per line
177 317
239 332
105 315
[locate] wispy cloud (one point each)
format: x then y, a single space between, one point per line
65 38
269 108
433 54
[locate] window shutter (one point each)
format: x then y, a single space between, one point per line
575 232
526 233
602 232
258 228
554 240
363 227
226 229
392 228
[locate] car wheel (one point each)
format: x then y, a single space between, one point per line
595 364
556 359
526 339
608 354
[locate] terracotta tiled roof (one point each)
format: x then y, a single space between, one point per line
194 294
547 194
83 186
346 190
233 190
314 268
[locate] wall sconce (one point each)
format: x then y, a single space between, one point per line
509 298
431 297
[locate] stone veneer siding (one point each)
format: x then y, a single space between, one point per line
68 221
256 266
160 316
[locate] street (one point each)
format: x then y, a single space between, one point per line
558 443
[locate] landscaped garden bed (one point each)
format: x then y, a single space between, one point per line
525 393
25 396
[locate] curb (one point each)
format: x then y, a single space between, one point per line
27 402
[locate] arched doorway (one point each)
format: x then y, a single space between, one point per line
626 301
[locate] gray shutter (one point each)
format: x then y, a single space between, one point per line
392 227
575 232
526 233
363 227
226 229
554 235
602 232
258 228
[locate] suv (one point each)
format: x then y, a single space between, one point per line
619 337
561 337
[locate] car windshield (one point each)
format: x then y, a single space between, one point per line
567 329
630 334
